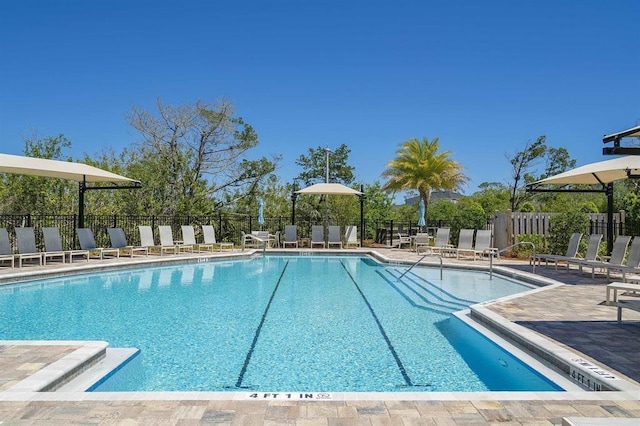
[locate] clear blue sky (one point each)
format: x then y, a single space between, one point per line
483 76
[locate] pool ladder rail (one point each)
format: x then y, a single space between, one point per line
533 271
420 260
254 239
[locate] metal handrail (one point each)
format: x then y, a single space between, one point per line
420 260
253 237
533 269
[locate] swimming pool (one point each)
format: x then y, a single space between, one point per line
277 323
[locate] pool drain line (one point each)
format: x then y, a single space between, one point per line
257 334
403 371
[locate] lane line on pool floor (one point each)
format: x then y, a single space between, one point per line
403 371
259 329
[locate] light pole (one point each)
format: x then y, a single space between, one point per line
327 151
326 201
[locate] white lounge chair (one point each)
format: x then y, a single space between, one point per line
572 252
402 240
147 240
617 256
334 238
88 242
465 243
5 248
290 236
53 244
317 236
483 244
167 241
119 240
351 236
592 251
632 262
422 239
209 236
442 244
189 238
26 242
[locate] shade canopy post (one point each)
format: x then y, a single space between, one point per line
362 216
294 195
82 187
609 192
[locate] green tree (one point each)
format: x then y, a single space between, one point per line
442 210
469 215
314 170
41 195
192 154
492 196
562 226
419 165
523 164
314 166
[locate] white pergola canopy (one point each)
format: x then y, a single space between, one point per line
80 172
329 189
57 169
599 173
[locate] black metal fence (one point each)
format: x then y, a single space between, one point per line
228 226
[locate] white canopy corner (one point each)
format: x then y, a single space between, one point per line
79 172
599 173
329 188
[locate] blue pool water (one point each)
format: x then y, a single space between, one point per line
277 323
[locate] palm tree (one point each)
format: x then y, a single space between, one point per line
418 165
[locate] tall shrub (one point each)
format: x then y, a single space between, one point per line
561 228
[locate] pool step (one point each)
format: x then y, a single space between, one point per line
113 359
423 294
67 368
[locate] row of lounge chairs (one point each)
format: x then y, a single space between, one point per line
624 259
421 242
53 248
334 237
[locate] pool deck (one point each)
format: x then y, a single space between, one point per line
571 316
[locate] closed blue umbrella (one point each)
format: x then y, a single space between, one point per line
260 212
421 221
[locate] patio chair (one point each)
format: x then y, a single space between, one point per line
189 238
317 236
632 263
572 252
351 236
421 240
266 236
26 242
402 239
147 240
442 244
592 251
254 240
465 243
5 248
88 243
53 244
334 236
483 244
119 241
209 236
167 241
617 256
290 236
